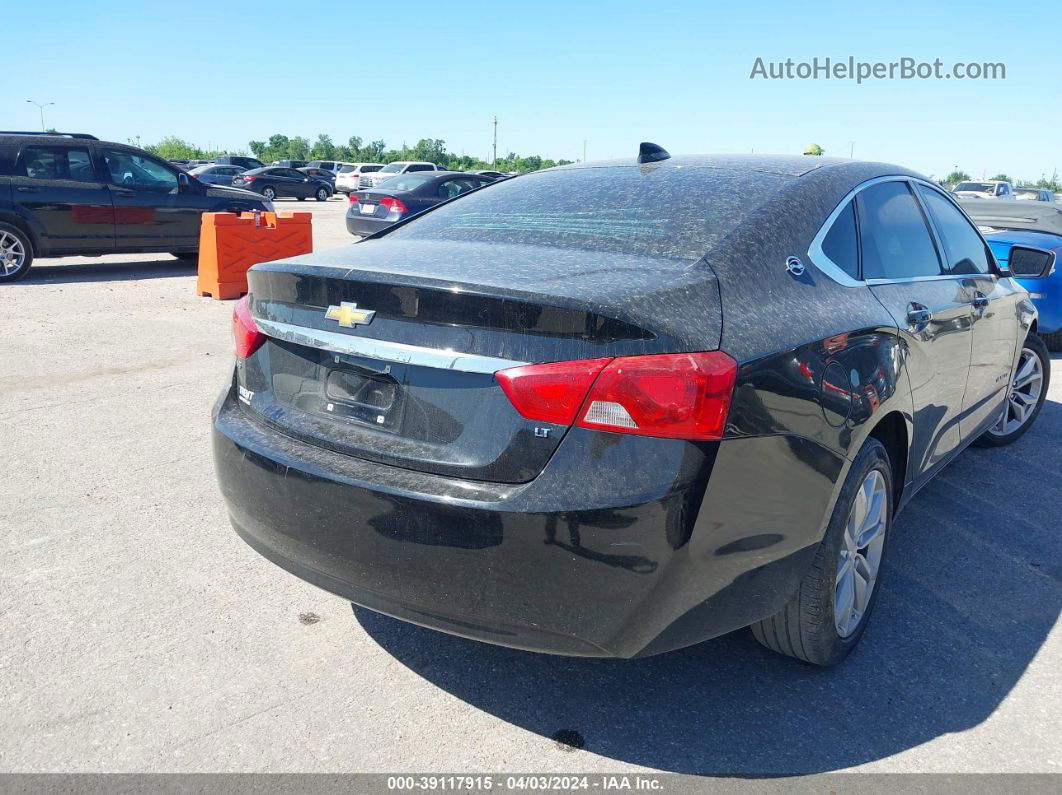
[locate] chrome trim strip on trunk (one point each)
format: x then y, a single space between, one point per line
384 350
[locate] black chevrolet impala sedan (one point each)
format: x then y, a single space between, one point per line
614 409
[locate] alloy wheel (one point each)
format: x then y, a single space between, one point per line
860 556
1024 395
12 253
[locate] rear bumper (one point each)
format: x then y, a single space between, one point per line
365 225
588 559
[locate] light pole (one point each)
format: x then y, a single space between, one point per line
40 106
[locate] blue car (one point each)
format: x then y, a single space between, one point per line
1035 225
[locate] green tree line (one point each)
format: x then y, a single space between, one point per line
355 150
433 150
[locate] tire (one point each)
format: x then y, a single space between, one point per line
322 194
1053 341
301 198
808 627
1028 390
16 253
186 255
269 193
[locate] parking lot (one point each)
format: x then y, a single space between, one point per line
137 632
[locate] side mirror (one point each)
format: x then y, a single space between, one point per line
1030 263
184 182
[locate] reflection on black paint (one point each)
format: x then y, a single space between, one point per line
750 544
596 520
440 527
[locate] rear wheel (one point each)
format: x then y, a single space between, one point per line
322 194
1028 390
826 617
269 193
16 253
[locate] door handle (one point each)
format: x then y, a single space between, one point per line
980 303
918 315
27 189
123 192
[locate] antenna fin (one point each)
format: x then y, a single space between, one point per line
652 153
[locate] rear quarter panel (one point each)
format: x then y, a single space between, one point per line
817 360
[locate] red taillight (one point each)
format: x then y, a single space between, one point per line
393 204
353 199
673 396
246 179
245 334
550 392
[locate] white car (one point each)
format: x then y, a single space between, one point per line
393 169
348 176
984 189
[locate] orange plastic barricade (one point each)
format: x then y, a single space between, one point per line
229 244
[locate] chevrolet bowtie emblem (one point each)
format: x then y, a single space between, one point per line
348 315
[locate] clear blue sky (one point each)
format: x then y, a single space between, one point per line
555 73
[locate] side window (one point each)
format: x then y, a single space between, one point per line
841 244
893 235
134 171
370 169
966 251
420 167
454 187
55 162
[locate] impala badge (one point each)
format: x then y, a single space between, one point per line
348 315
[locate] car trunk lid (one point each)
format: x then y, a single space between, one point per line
388 350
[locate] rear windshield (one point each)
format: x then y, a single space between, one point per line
665 211
347 169
402 182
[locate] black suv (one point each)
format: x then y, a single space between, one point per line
70 194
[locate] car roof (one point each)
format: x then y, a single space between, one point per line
784 165
57 137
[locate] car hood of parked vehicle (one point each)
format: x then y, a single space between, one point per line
1001 214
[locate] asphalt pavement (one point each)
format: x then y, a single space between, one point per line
138 633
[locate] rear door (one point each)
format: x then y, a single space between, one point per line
932 309
58 186
995 308
150 213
